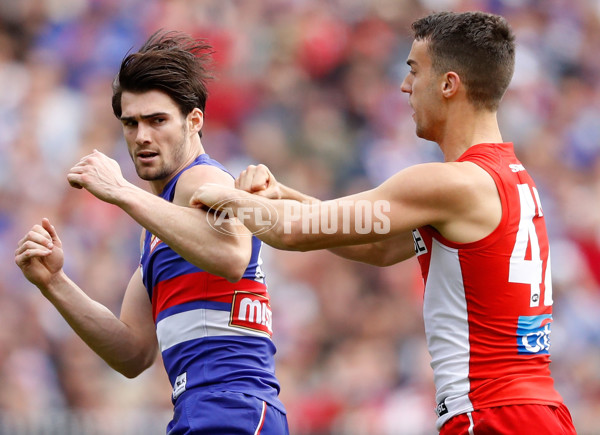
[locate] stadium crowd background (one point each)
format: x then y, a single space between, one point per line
312 89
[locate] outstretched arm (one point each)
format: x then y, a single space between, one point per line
186 230
383 253
458 199
127 344
259 180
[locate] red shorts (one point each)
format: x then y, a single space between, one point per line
512 420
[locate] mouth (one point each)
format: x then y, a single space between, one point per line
146 156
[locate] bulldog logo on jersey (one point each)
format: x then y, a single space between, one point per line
533 334
251 311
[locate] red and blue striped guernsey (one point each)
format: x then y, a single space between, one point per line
213 334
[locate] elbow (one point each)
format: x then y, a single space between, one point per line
383 261
131 371
229 264
235 266
135 367
234 276
388 258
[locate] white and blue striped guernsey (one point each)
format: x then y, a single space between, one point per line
213 334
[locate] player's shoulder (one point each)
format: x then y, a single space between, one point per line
197 175
444 175
209 173
448 185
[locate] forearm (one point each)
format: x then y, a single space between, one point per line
301 226
293 194
99 328
381 253
384 253
368 253
187 231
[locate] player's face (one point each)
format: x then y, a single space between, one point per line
423 86
157 134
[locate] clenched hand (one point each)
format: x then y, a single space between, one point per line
39 254
100 175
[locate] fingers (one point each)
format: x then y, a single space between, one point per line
55 240
92 159
38 235
36 243
245 179
213 195
254 179
43 235
85 160
95 172
75 174
196 199
29 250
74 181
94 154
196 202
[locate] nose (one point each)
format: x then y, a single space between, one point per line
142 134
406 86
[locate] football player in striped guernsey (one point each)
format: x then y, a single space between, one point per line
198 296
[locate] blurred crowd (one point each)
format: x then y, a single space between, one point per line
311 88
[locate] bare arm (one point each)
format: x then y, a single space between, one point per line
383 253
260 181
127 344
184 229
459 199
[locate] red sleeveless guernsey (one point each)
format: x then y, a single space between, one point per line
488 304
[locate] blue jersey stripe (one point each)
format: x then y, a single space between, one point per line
194 305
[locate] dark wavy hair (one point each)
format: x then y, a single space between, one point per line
478 46
171 62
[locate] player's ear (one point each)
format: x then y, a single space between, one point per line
195 120
450 84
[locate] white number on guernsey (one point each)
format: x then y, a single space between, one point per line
530 271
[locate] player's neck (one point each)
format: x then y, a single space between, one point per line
464 132
193 149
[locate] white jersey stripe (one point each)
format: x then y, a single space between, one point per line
447 329
486 316
261 422
194 324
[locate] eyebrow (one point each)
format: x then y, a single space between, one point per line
143 117
411 62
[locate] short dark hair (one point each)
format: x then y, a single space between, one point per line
478 46
171 62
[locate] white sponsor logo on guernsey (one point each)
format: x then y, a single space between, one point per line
179 387
251 311
516 167
533 334
420 247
